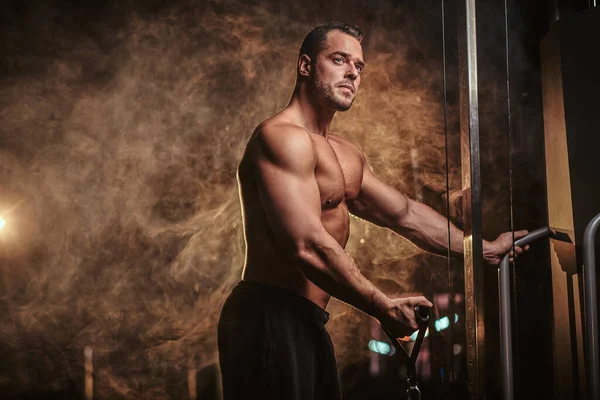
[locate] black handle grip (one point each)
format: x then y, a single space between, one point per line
422 315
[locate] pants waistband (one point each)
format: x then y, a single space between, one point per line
277 295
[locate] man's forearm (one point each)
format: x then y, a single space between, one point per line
427 229
326 264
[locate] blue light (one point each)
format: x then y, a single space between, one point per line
380 347
413 337
441 324
444 323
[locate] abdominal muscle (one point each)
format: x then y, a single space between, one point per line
266 263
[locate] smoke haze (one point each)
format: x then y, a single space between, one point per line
121 126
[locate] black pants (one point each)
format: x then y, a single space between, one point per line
273 345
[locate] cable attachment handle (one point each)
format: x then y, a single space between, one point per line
422 319
422 315
413 393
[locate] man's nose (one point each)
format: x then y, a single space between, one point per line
352 72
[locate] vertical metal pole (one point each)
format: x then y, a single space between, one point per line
506 350
471 190
506 347
591 308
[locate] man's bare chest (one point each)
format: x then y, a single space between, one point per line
338 172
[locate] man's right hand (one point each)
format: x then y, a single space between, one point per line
399 319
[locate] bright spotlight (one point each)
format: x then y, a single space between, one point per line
2 223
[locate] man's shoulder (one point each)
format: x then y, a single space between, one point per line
282 134
281 142
280 126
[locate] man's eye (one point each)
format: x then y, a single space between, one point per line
360 68
338 60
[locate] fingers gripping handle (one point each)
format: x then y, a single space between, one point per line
422 319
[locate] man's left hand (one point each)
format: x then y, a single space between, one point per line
493 252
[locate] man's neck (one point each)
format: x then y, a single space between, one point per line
312 115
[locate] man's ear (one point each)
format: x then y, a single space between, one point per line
304 65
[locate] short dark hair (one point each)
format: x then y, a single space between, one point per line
314 41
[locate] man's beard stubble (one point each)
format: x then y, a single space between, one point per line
326 94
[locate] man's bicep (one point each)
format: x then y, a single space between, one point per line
379 202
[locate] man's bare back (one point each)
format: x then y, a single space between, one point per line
338 173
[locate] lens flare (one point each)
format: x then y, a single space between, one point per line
2 223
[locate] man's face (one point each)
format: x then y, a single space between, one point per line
336 71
